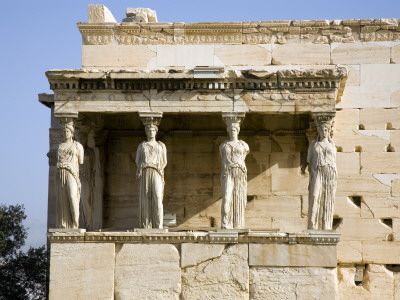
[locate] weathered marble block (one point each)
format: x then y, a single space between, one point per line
293 283
82 271
147 272
225 277
149 264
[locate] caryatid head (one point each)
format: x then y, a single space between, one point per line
233 130
151 120
324 126
232 121
151 131
68 130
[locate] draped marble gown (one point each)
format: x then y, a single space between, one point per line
321 158
234 183
68 185
151 159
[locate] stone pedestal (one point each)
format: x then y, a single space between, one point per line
193 265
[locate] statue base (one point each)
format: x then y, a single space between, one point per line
67 230
145 264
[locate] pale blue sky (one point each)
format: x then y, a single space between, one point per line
37 36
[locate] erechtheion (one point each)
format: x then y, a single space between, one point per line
238 160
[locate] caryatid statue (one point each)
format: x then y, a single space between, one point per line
321 160
233 174
68 186
151 159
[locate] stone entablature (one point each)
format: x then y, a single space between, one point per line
197 90
256 32
176 78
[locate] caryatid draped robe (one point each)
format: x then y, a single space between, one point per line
151 159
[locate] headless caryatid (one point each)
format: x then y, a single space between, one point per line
151 159
233 175
321 161
87 175
70 155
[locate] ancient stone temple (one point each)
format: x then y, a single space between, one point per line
242 160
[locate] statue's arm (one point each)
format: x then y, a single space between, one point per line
81 153
138 160
246 148
309 159
334 156
221 148
164 155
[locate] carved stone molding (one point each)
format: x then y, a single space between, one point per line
233 117
223 237
321 117
150 118
313 238
259 32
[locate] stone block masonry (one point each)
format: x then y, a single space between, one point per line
190 265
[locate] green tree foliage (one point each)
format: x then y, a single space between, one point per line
22 274
12 231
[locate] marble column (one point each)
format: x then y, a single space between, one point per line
321 161
70 154
151 159
92 139
233 174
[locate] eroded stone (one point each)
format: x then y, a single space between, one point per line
377 283
226 277
147 271
194 254
293 283
98 13
81 271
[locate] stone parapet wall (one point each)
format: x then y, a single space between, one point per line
114 56
115 266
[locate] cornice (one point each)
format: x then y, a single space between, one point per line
179 79
259 32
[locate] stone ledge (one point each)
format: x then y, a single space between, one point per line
329 77
322 238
